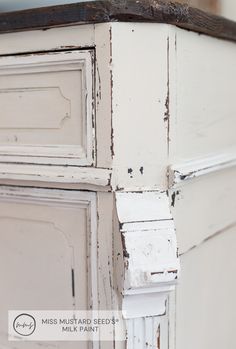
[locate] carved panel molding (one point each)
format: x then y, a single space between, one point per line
46 108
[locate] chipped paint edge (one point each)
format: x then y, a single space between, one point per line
189 170
54 174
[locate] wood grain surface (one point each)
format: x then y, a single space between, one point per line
157 11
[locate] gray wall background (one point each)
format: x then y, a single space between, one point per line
12 5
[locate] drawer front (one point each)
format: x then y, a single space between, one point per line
46 108
48 244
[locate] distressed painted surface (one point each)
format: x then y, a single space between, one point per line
49 40
202 91
139 126
157 154
149 251
208 203
103 95
197 168
53 174
148 333
40 242
202 187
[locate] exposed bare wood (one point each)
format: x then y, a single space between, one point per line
106 11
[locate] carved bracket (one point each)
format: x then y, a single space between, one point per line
149 250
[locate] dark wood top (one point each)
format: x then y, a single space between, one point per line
156 11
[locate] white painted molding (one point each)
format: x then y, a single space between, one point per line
193 169
149 206
148 332
56 174
152 255
146 304
150 252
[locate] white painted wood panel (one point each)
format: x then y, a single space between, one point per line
206 305
202 94
46 108
140 89
48 253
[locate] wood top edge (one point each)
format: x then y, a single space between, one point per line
153 11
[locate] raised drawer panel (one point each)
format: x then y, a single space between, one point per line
46 108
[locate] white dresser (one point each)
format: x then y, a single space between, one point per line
117 170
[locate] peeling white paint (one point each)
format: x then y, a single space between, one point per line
135 142
150 251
